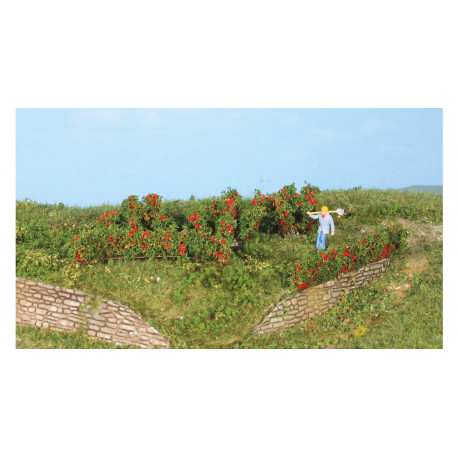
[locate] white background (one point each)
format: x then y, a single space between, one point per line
210 403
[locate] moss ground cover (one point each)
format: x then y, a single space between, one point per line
203 304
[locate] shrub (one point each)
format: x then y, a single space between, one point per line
141 228
321 266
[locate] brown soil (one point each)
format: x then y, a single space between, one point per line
414 264
419 233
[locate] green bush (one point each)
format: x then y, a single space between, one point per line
321 266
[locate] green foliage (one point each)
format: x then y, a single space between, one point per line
203 304
32 337
365 205
141 228
321 267
373 317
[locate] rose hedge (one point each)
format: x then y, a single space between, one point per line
283 212
141 228
323 266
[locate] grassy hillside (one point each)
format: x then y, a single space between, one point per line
206 305
433 189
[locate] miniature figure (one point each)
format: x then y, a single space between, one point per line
325 220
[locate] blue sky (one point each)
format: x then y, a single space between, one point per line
91 156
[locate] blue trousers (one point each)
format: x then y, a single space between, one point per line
321 241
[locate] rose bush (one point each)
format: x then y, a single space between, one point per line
140 228
323 266
282 212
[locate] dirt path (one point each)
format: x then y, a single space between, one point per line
414 264
421 232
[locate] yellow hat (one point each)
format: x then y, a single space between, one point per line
325 208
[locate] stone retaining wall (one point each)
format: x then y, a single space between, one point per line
46 306
314 301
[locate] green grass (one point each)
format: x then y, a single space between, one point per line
371 317
435 189
41 338
205 305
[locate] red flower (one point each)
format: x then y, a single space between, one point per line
182 248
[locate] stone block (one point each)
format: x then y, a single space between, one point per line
289 318
71 302
293 301
73 318
25 302
111 325
68 291
98 323
102 335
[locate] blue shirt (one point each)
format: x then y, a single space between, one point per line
324 223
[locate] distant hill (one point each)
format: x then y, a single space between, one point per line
433 189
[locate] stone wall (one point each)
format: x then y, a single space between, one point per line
314 301
46 306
